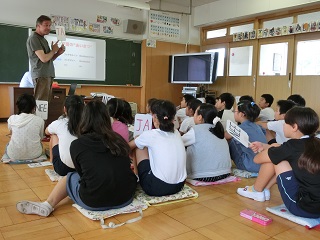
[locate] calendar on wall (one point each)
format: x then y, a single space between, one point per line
164 25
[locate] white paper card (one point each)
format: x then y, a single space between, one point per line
40 164
42 109
61 33
142 122
237 133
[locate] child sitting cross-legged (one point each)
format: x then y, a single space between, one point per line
208 157
294 165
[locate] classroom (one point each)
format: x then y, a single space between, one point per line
263 46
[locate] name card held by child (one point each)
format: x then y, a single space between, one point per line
142 122
237 133
42 109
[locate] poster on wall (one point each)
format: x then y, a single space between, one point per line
60 21
164 25
78 25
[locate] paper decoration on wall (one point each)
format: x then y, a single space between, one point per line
313 26
253 34
278 31
151 43
60 21
305 27
102 19
115 21
284 30
78 25
107 29
260 33
291 29
246 36
94 27
164 25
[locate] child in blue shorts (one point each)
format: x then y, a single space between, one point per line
294 165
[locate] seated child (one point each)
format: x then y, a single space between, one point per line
208 157
294 165
224 105
277 126
246 97
160 154
211 100
115 107
297 99
103 179
266 113
181 113
26 130
63 131
192 106
128 116
246 113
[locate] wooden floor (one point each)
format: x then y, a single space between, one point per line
213 215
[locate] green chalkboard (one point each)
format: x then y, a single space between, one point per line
123 63
13 53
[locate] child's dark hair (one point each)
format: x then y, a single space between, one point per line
96 122
151 101
228 98
188 97
298 99
74 106
210 99
127 112
115 107
208 113
26 103
165 112
250 109
194 104
268 98
307 121
285 105
246 97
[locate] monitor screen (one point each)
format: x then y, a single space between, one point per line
194 68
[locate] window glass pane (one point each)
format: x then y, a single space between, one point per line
242 28
222 52
278 22
273 59
308 58
241 61
308 17
217 33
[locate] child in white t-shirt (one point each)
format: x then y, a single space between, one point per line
274 129
266 113
190 110
181 113
63 132
160 154
27 130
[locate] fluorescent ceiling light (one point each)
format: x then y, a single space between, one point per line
141 4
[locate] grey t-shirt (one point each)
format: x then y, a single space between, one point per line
39 69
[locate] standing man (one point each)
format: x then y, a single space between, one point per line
41 58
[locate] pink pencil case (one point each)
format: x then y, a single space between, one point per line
255 217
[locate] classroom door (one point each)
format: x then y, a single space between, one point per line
275 66
241 79
307 69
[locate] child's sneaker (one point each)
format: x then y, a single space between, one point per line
267 194
249 192
39 208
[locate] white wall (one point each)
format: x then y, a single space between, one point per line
226 10
25 13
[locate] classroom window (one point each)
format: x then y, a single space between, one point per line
221 57
241 61
308 58
242 28
278 22
308 17
217 33
273 59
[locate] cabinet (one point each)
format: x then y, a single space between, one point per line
55 106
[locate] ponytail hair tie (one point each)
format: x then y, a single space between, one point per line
252 104
215 121
165 117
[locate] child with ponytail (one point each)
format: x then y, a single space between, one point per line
160 153
208 157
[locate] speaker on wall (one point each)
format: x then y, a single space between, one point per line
133 26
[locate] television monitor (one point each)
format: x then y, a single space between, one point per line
194 68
